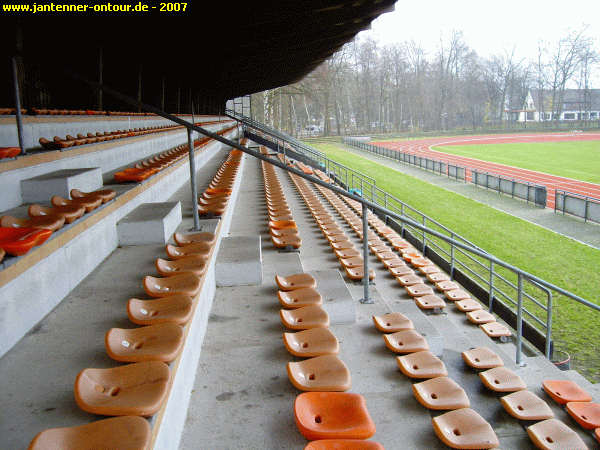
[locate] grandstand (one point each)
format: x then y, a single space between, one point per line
286 303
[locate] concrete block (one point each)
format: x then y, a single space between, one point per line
149 223
41 188
337 300
239 262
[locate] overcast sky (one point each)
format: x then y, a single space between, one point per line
488 27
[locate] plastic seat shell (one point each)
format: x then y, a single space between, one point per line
343 444
130 432
464 429
333 415
326 373
182 284
431 301
160 342
456 294
174 308
194 264
553 434
312 342
296 281
421 365
304 318
392 322
197 248
468 305
418 290
565 391
495 329
502 379
136 389
525 405
405 341
299 298
480 316
481 358
190 238
440 393
18 241
586 414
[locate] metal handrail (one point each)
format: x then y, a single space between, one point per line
521 274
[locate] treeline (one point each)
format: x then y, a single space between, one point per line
366 87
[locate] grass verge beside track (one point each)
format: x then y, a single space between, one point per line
579 160
555 258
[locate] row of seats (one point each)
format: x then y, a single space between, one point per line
415 286
524 405
215 198
71 112
19 235
71 141
350 258
150 166
139 388
325 415
282 227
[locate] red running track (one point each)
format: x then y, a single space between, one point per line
552 182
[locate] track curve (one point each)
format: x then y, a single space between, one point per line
423 147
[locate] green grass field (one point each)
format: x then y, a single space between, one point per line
558 259
579 160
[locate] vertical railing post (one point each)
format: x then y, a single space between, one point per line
423 239
18 115
519 318
452 257
549 323
365 236
193 181
491 287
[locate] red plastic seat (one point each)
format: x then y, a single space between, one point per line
47 222
333 415
130 432
9 152
565 391
586 414
343 444
18 241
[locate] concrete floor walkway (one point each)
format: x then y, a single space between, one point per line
587 233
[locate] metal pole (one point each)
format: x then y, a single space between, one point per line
519 318
18 105
193 181
491 300
549 324
365 235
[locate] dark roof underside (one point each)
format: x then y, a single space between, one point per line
219 51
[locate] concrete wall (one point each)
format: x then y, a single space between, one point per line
123 153
25 300
47 127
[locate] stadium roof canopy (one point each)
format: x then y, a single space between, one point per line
219 49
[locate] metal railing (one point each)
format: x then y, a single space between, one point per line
398 213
